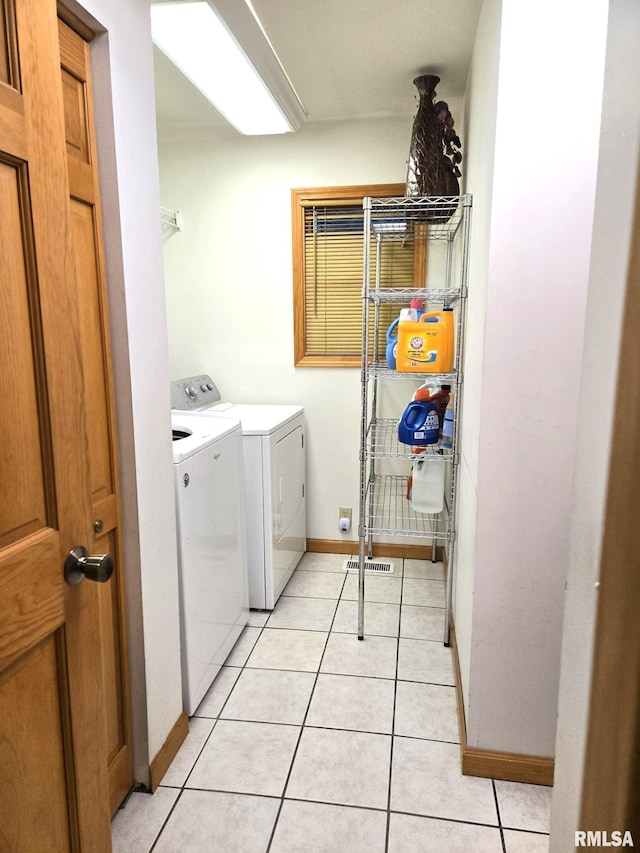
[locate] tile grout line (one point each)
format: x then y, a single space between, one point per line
165 821
216 719
326 728
495 796
393 717
302 727
437 817
395 680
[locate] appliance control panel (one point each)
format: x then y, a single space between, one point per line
194 392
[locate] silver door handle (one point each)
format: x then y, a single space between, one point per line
80 565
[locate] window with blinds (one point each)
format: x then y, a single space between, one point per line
328 246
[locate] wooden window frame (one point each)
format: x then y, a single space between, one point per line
301 198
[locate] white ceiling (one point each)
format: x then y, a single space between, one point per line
346 59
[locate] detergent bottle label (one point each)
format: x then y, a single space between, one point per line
418 349
426 346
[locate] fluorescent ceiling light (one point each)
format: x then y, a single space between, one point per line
196 39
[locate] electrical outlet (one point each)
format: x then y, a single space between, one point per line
345 512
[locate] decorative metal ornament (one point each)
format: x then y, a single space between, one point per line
434 154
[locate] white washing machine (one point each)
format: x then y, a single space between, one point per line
274 482
213 579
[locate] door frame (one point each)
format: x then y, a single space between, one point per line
611 780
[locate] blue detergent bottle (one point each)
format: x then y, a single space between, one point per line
419 423
392 342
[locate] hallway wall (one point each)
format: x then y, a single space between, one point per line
480 120
617 176
537 257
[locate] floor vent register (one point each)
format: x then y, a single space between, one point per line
378 567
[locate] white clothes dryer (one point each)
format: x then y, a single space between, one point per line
274 482
212 563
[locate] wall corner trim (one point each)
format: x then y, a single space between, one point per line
508 766
168 751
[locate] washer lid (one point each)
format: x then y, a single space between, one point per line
258 418
192 433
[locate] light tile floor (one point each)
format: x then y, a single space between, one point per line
310 741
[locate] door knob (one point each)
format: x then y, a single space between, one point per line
80 565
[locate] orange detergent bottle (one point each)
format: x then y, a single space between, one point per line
426 345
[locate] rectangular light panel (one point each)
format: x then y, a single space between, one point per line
197 41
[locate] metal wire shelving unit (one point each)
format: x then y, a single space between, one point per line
384 510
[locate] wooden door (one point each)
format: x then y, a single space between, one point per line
54 742
99 409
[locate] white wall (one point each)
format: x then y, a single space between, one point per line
537 255
480 120
229 280
126 135
617 175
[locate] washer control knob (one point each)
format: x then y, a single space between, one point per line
190 391
203 387
209 386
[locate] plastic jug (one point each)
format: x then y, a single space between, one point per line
409 315
419 423
392 341
426 345
427 489
436 393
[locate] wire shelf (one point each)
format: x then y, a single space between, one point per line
382 443
389 512
445 296
417 218
381 370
